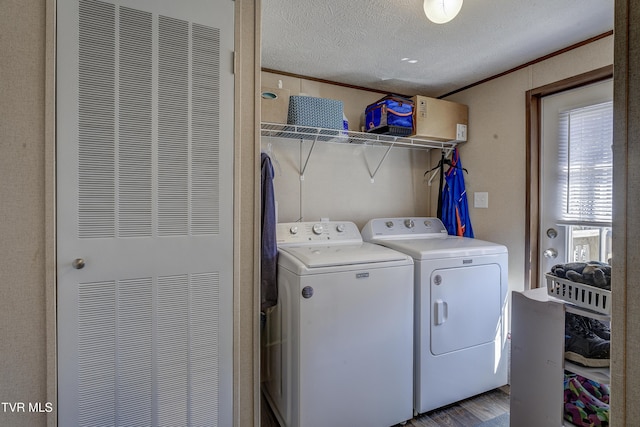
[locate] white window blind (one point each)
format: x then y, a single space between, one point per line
586 160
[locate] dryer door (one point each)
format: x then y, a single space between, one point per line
466 307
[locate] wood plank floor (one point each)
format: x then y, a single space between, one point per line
466 413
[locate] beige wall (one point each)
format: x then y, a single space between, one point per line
337 181
495 153
23 352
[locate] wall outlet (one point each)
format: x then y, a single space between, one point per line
461 132
480 200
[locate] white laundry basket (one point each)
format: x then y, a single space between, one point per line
580 294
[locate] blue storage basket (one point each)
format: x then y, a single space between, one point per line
315 112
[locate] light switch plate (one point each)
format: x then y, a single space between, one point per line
480 199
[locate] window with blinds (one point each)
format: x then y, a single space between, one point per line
586 164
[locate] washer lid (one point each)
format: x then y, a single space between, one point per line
327 256
444 247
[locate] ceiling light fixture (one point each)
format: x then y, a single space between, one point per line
441 11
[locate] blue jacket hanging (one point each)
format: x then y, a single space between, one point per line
269 259
455 209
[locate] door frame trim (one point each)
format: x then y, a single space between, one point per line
50 279
533 99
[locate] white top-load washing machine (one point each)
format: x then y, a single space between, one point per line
339 342
460 309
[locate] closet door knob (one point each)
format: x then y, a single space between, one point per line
78 263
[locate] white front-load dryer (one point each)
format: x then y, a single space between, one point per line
339 342
460 309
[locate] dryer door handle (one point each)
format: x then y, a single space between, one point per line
440 311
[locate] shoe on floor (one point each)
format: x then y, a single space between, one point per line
599 328
582 345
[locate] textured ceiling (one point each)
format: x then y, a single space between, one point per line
362 42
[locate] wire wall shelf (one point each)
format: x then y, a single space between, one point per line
313 134
279 130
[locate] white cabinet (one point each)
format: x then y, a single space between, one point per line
537 358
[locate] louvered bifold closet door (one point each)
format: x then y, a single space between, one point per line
144 212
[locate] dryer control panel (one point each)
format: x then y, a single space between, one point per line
308 233
410 227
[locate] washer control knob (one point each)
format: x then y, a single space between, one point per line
307 292
340 228
293 230
317 229
409 223
389 224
